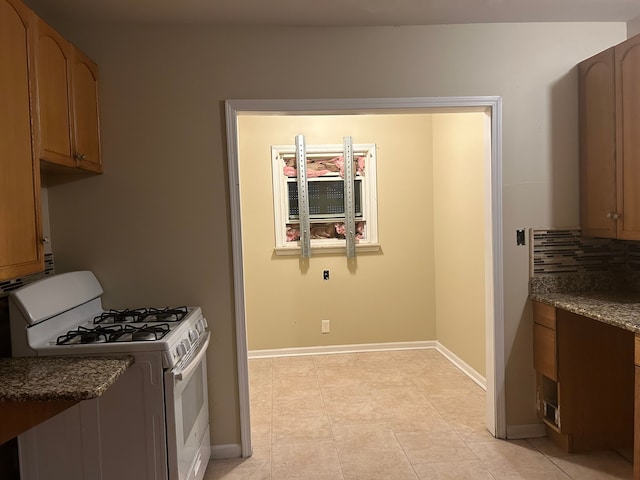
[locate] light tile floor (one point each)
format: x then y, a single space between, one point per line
391 416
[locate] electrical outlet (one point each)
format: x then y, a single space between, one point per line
326 326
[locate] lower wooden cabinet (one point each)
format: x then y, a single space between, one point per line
545 351
585 381
636 438
545 361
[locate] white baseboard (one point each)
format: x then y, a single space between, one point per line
533 430
462 365
219 452
330 349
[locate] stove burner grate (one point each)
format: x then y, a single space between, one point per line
121 316
114 333
84 335
140 315
166 314
150 332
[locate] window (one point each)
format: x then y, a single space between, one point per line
325 196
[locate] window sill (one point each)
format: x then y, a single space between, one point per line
327 250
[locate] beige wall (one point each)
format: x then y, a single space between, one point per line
385 296
432 163
156 228
459 234
633 27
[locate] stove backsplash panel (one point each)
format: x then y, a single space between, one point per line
562 260
6 287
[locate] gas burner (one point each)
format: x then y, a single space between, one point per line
140 315
148 333
121 316
86 336
114 333
93 337
165 314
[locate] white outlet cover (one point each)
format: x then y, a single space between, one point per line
326 326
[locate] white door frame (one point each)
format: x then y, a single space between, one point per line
496 417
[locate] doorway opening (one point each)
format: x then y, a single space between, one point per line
491 234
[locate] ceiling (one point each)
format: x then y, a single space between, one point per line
338 12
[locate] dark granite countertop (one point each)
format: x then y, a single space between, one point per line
617 309
25 379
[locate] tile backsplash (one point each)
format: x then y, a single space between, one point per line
562 260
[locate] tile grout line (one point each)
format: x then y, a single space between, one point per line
462 428
551 459
324 405
271 422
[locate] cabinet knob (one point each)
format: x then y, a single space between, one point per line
614 216
79 156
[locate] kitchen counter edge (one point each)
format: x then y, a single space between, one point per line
26 379
619 310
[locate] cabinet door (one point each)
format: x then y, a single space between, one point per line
53 71
21 251
544 314
597 126
544 351
627 71
596 382
85 106
545 358
636 416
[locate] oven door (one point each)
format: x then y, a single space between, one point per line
187 415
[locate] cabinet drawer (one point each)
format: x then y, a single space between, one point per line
544 351
544 314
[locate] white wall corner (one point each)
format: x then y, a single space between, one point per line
462 365
534 430
218 452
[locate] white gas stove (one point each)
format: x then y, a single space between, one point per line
63 315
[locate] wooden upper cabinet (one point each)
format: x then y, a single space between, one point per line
53 71
609 122
21 248
627 71
597 126
85 107
67 98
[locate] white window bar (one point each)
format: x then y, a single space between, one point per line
303 197
349 201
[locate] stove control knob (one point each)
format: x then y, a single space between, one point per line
193 335
200 327
181 350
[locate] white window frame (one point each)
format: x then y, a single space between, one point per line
369 199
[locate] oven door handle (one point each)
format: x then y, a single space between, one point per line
180 375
